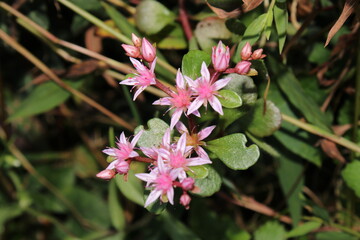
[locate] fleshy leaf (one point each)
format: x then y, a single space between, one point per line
151 16
260 124
232 151
153 136
191 63
352 177
210 184
198 172
244 86
229 99
270 231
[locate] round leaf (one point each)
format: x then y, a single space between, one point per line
232 151
151 16
230 99
209 185
260 124
198 172
153 136
191 63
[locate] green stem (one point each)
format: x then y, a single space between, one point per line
357 98
118 35
322 133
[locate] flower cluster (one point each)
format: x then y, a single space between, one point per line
171 161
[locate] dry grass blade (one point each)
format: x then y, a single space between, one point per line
251 4
224 14
349 7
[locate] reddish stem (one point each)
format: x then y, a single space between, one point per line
185 20
164 88
215 77
142 159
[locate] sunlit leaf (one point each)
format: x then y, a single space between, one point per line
191 63
210 184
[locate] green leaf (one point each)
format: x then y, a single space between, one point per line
319 54
191 63
291 178
291 87
132 188
229 99
7 213
303 229
252 34
352 177
270 231
176 229
175 39
120 21
334 236
244 86
153 136
43 98
198 172
232 151
260 124
269 21
210 29
227 5
151 16
263 145
210 184
115 209
281 21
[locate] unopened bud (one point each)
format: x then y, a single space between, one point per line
185 200
242 67
220 57
246 52
187 184
136 40
122 167
106 174
257 54
131 50
148 51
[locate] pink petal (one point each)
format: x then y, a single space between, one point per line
195 105
123 138
206 132
201 153
180 80
112 164
153 196
136 138
205 72
137 93
110 152
175 117
146 177
138 65
152 67
129 81
191 82
197 161
150 152
170 195
181 144
166 138
163 101
216 105
196 113
181 128
221 83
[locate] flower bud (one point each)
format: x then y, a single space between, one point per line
220 57
185 200
148 51
187 184
242 67
136 40
106 174
131 51
246 51
122 167
257 54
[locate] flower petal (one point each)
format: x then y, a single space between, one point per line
153 196
170 195
136 138
175 117
216 105
205 72
181 144
195 105
180 80
181 128
163 101
221 83
204 133
110 152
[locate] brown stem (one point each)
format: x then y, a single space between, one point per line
142 159
185 20
164 88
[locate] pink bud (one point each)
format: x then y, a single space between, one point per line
185 200
122 167
220 57
131 51
187 184
136 40
148 51
106 174
257 54
242 67
246 51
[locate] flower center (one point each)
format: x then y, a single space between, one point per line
164 182
181 99
177 160
123 151
205 90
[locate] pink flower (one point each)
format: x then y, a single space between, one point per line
257 54
161 181
220 57
195 139
180 101
124 150
242 67
148 51
143 79
188 184
185 200
122 167
136 40
246 52
206 91
177 158
131 50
